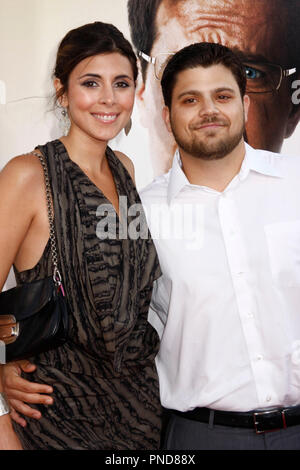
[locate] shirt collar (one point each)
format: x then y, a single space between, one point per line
260 161
177 178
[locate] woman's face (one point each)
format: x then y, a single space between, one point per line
100 96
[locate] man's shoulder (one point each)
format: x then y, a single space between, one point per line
156 190
290 164
273 155
285 164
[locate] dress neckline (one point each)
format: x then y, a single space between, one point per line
108 153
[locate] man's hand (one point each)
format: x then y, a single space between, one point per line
20 391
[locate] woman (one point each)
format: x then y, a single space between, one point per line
104 378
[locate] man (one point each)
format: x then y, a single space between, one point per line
227 305
263 31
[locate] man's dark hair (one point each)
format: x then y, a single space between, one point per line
203 54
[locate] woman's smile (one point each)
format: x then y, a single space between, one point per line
106 118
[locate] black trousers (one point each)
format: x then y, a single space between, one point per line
185 434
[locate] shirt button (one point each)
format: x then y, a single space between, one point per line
269 398
250 315
260 357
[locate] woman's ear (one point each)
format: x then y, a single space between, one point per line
62 98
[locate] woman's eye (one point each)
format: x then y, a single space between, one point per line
90 84
252 73
121 85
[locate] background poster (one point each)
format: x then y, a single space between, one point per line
30 31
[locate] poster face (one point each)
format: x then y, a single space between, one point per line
265 34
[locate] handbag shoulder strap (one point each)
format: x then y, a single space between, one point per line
53 247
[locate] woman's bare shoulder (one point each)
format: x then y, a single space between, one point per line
23 171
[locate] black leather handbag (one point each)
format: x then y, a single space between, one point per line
34 315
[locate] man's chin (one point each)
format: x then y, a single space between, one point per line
212 148
210 155
212 151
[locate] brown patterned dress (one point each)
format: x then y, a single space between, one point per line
106 393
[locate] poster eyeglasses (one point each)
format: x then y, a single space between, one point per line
262 77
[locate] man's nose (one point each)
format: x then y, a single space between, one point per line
208 107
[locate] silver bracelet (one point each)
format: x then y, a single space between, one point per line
4 406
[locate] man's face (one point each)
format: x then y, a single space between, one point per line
207 114
257 28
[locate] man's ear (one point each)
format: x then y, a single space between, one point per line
140 90
166 118
246 102
63 99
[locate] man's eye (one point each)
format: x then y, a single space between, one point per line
223 97
253 73
190 100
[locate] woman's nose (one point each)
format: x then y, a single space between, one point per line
107 95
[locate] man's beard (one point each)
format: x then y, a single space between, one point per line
203 148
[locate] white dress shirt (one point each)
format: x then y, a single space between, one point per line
227 307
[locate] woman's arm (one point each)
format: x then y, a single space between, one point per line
24 224
23 233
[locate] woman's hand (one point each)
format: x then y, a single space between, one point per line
20 391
